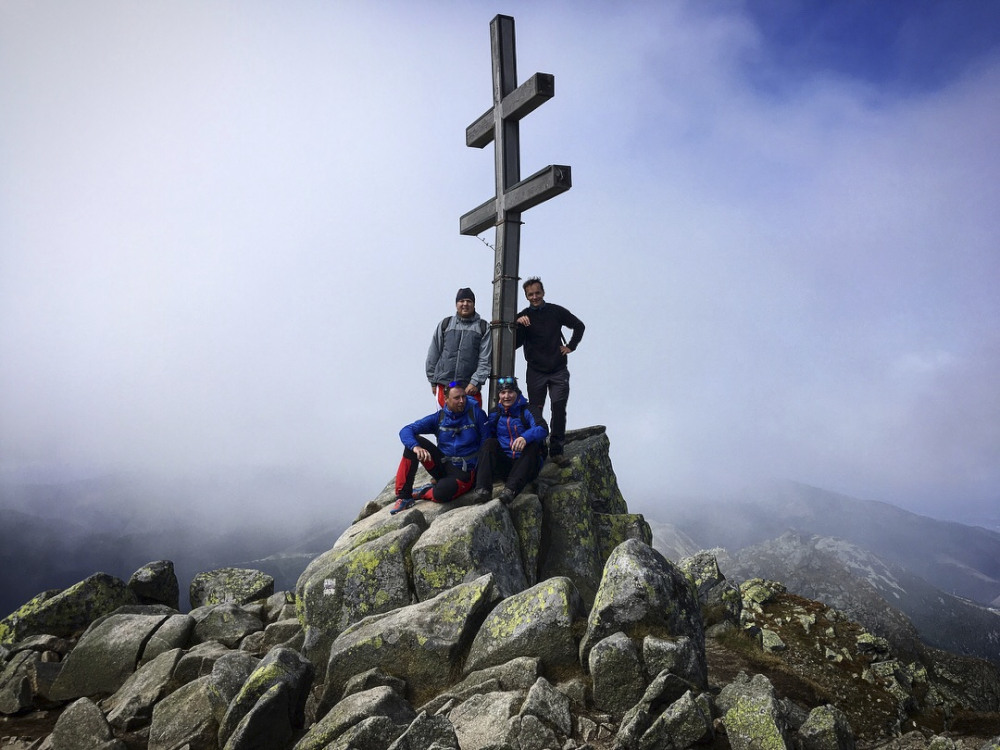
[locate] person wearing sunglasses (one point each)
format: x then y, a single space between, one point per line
459 427
513 448
461 349
539 331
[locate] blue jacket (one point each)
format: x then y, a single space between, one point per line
507 425
458 435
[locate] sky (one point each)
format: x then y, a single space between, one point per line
228 231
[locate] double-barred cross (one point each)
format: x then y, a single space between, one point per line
513 195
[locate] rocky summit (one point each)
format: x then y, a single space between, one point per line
550 622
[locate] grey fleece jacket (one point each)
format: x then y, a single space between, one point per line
464 353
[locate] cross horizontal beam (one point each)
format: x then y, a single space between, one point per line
519 103
542 185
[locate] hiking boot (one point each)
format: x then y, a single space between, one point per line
402 503
482 495
421 493
506 496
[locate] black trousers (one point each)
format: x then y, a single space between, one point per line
556 385
452 479
494 463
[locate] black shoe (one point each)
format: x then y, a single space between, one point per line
559 460
482 495
506 496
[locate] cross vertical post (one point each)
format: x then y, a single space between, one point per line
500 125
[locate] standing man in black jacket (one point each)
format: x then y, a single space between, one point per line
539 330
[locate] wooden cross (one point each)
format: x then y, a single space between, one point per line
513 195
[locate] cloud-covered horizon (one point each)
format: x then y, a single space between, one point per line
227 234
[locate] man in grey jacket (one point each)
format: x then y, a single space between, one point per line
461 350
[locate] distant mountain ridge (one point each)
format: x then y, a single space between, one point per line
892 570
961 560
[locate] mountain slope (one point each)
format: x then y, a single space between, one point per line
887 599
962 560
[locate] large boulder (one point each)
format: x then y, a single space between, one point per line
641 594
662 692
569 539
226 623
106 656
363 531
537 623
131 707
199 661
174 632
582 500
550 706
826 728
615 528
420 643
370 578
265 724
516 675
237 585
427 731
616 669
465 544
16 692
281 632
355 709
82 726
589 463
188 716
483 721
156 583
720 600
192 714
686 722
752 714
281 680
526 515
67 613
374 678
680 656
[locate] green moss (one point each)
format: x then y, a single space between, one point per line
9 625
751 721
364 562
263 678
520 611
494 523
437 569
300 608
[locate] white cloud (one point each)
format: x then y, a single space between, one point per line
226 238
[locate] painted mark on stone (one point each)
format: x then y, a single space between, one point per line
329 586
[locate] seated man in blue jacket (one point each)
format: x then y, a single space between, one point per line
512 448
459 428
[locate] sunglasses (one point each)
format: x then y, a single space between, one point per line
507 383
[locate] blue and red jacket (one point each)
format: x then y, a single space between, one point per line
521 420
458 435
